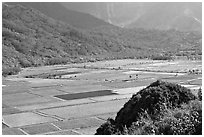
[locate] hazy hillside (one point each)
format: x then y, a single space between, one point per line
180 16
56 11
30 38
157 15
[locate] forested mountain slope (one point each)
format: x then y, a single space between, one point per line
30 38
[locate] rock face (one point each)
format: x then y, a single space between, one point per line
153 101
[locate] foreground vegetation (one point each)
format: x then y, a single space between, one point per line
30 38
162 108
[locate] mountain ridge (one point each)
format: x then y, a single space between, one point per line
74 18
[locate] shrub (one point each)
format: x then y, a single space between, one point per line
10 71
200 94
107 128
24 63
144 126
187 123
56 61
161 57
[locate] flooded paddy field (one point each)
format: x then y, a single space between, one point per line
57 95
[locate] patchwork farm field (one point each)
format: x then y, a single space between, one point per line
50 98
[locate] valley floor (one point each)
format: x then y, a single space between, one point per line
77 98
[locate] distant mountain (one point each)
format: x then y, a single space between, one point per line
179 16
57 11
157 15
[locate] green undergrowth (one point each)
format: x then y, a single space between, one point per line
162 108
